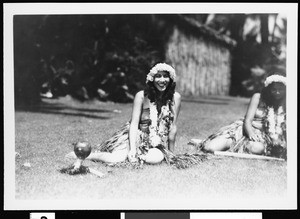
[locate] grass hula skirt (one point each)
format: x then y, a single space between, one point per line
155 137
274 146
182 161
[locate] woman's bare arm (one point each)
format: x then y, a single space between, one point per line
135 119
252 107
173 128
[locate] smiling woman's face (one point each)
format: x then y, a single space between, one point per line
161 80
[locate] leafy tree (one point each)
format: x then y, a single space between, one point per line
73 54
259 51
108 56
26 59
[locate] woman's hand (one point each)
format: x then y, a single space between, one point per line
131 156
253 137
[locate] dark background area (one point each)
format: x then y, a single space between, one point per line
108 56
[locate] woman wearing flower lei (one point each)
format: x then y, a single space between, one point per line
150 135
262 131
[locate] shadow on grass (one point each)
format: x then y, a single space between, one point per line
206 101
63 110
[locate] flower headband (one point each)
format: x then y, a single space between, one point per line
161 67
275 78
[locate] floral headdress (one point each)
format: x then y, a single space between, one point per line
161 67
275 78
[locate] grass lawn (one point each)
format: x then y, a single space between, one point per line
44 134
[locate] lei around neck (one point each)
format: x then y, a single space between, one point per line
159 127
275 124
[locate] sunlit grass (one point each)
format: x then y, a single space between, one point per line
44 136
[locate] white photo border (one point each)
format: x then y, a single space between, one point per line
11 9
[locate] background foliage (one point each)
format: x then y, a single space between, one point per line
107 56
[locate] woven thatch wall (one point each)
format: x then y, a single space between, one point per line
202 66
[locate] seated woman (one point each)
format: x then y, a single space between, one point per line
262 131
150 135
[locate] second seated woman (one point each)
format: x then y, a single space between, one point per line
262 131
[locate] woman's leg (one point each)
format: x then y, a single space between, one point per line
107 157
256 147
154 156
113 157
220 143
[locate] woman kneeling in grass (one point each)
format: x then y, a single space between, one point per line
262 131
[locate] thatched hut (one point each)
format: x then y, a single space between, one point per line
201 57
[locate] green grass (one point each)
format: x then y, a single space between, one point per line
44 136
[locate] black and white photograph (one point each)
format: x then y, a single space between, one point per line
150 106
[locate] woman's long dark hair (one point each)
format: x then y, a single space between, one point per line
153 94
266 98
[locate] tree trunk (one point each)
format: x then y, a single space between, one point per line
264 29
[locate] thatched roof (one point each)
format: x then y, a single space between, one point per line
193 26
